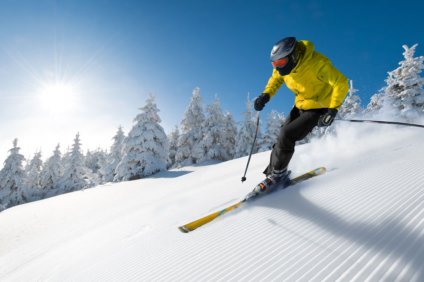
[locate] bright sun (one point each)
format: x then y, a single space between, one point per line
57 97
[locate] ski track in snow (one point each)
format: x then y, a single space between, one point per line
361 221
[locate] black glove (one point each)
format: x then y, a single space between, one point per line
260 101
327 118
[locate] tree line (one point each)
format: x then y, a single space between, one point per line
203 134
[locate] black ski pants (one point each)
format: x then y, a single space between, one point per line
299 123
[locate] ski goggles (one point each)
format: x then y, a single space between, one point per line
280 63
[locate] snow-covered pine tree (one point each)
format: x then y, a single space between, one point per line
75 176
246 133
91 160
273 125
32 183
94 161
351 106
230 135
375 104
215 132
146 148
52 173
173 146
114 157
190 147
12 178
405 85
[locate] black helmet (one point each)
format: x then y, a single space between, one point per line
282 55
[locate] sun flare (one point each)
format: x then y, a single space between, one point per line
57 97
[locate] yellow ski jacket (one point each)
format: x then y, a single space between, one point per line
315 81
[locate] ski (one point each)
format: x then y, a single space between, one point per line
208 218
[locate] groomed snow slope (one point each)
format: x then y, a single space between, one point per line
361 221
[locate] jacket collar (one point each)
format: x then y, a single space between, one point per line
307 48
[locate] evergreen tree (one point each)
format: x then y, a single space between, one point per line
94 161
114 157
273 125
190 145
230 128
351 105
246 134
215 136
173 146
52 173
405 85
146 148
376 103
76 176
32 183
11 178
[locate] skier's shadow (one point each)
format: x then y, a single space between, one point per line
171 174
388 238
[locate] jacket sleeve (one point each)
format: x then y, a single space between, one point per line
339 83
274 83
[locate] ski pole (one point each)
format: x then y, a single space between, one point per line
251 150
382 121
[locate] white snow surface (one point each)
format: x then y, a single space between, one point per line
361 221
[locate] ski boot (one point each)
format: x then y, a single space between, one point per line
278 178
275 179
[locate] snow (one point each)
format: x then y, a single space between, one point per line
361 221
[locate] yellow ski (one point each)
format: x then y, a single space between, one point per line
208 218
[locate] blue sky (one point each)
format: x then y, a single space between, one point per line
111 54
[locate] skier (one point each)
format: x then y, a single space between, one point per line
319 89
